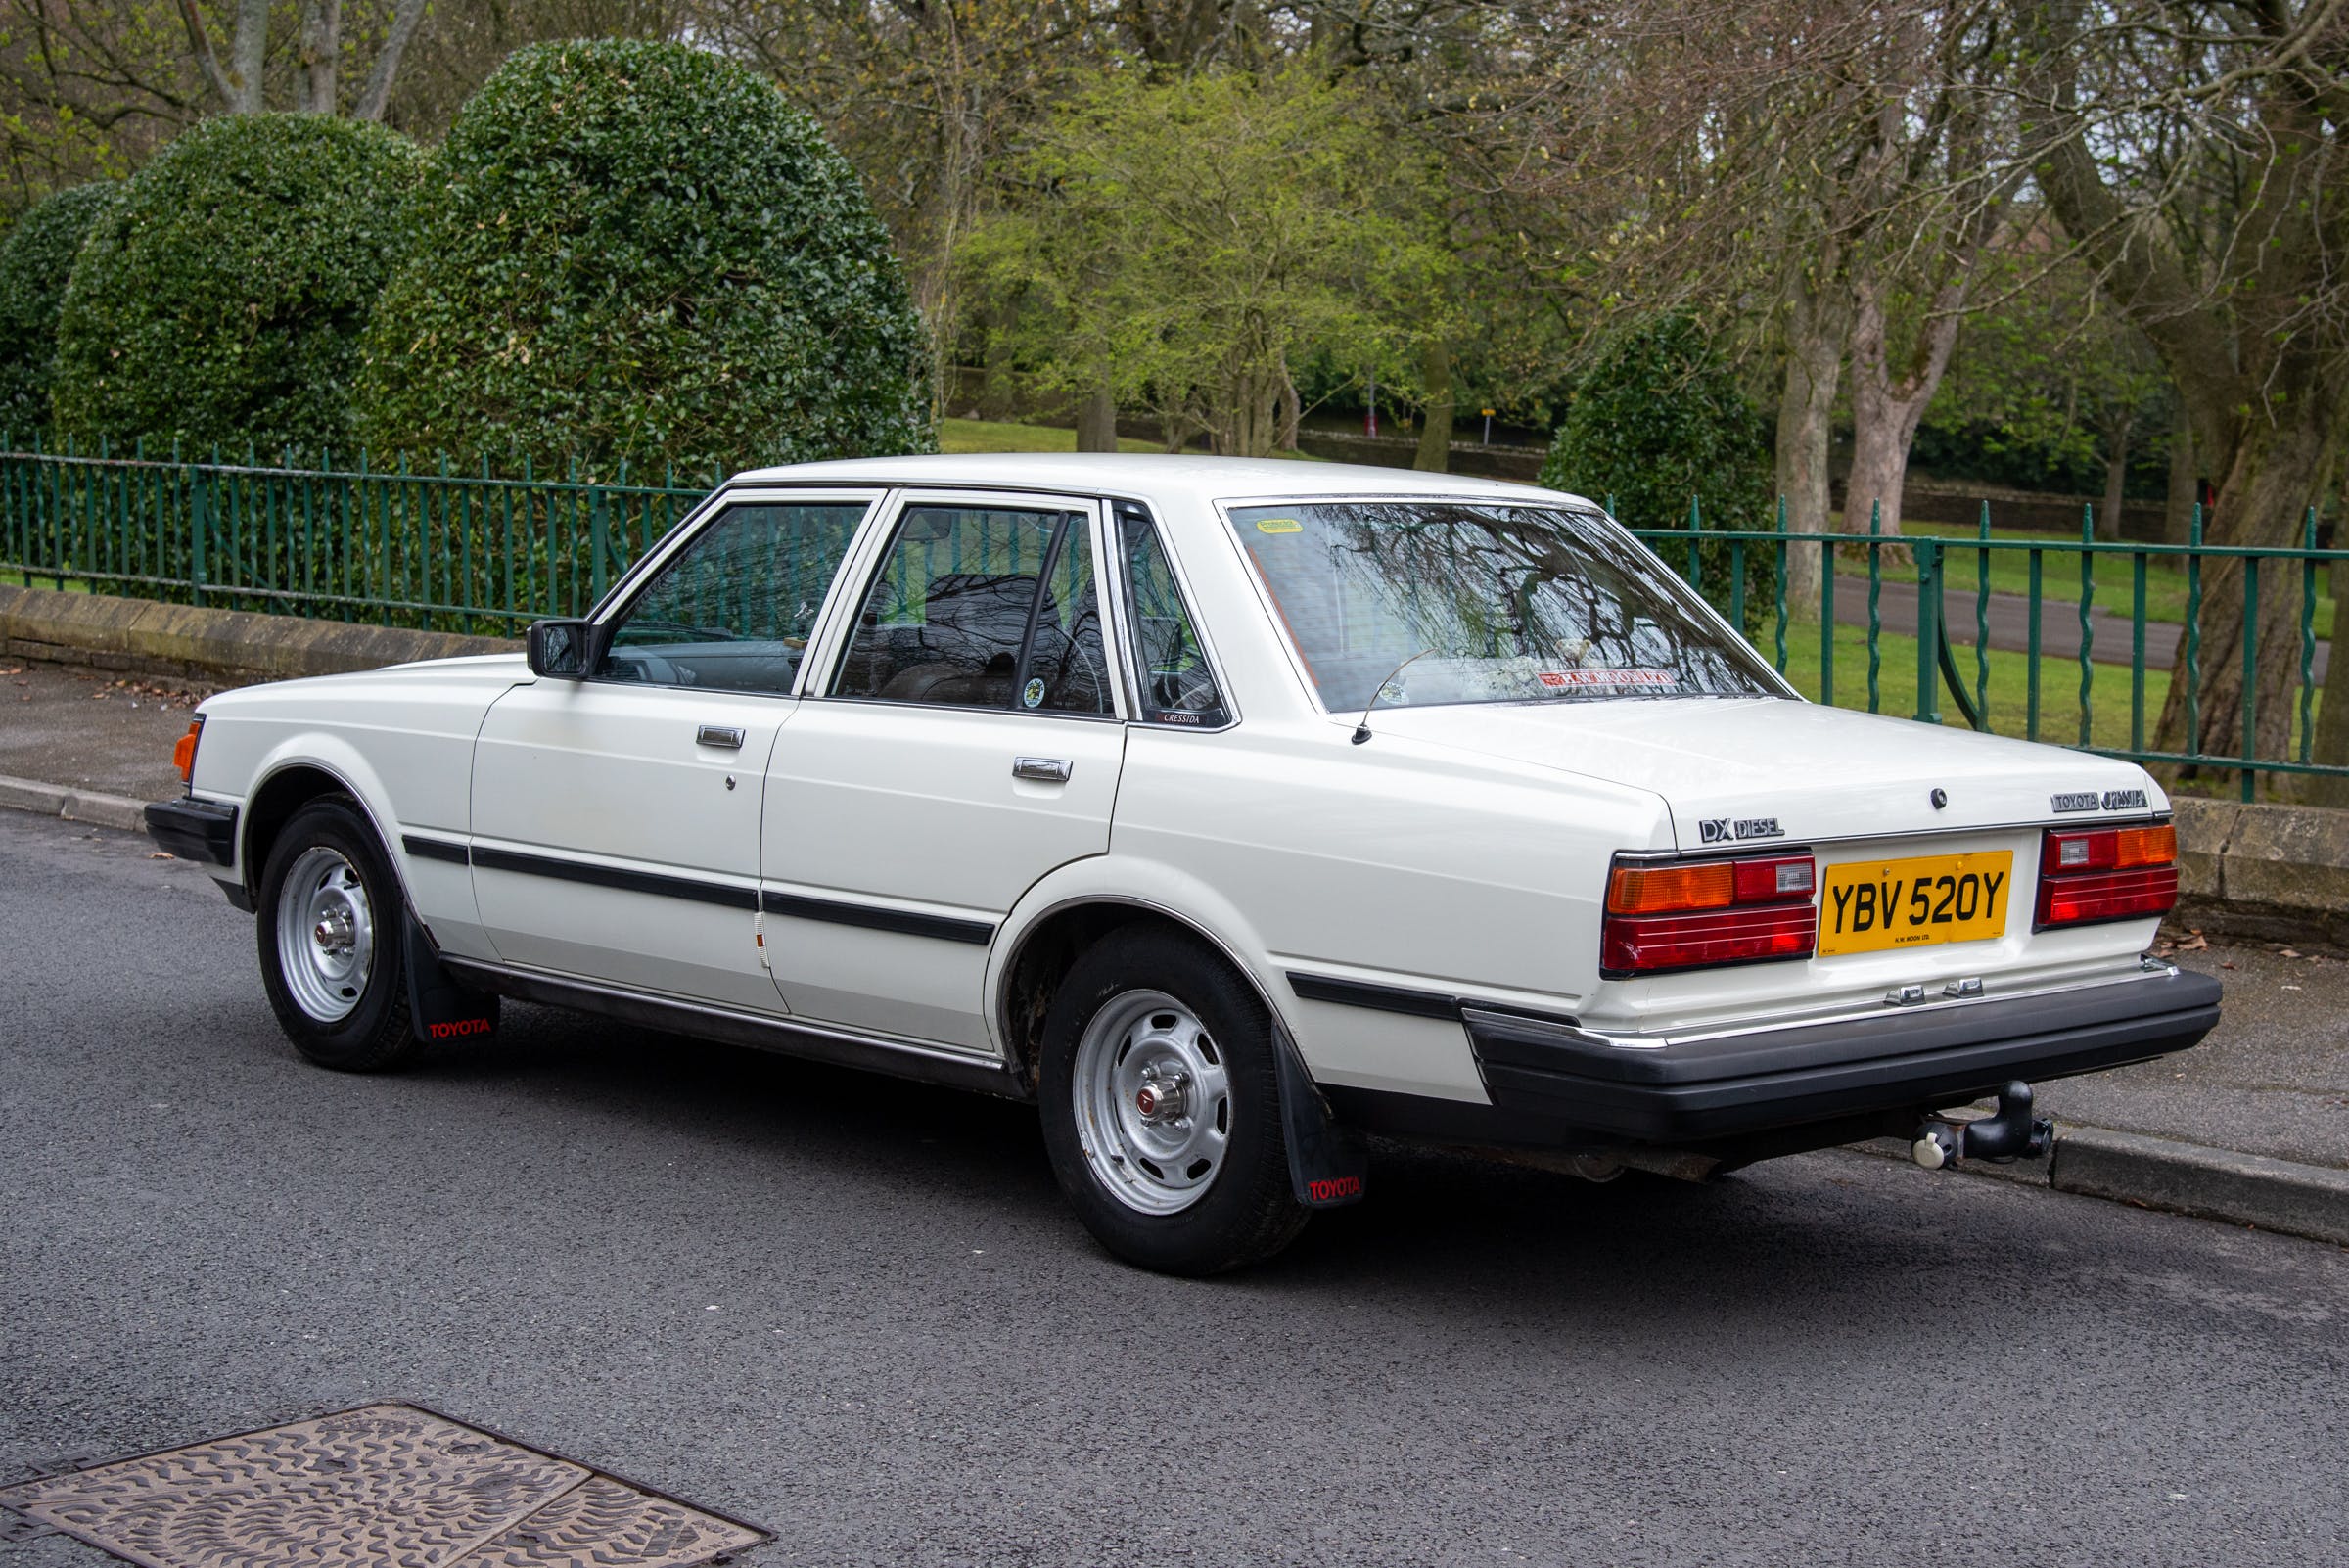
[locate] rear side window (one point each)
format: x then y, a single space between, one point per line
983 607
1178 687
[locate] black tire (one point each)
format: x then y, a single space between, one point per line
1247 1211
374 1034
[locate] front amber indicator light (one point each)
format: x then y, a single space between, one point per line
1657 890
183 754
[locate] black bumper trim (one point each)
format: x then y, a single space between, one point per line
1746 1083
1379 998
420 847
195 830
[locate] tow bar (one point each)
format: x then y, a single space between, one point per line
2011 1133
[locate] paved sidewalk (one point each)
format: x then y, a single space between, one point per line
2195 1132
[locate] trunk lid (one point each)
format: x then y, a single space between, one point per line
1732 769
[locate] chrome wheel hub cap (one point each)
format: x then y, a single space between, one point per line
1153 1102
325 935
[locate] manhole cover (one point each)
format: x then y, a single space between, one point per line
385 1485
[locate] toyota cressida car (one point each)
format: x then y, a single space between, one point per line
1225 810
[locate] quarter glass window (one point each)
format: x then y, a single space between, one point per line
983 607
733 609
1177 686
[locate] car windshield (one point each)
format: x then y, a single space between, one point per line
1492 604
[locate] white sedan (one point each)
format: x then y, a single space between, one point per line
1225 810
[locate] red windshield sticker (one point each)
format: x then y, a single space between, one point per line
1607 677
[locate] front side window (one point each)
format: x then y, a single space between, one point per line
1489 603
732 610
1177 686
983 607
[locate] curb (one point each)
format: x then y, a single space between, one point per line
2189 1179
74 805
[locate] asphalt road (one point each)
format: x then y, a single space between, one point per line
857 1312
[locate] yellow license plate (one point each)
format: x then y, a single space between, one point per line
1872 906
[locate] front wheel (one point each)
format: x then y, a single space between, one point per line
330 920
1162 1109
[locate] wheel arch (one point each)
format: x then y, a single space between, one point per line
285 784
1050 936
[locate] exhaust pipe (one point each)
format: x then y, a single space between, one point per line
2011 1133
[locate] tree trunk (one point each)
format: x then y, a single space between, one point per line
1292 410
2271 479
1815 334
2185 482
320 53
249 50
1885 408
2116 482
1097 421
1435 436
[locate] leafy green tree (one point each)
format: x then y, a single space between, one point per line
1182 243
221 300
36 258
1660 423
640 253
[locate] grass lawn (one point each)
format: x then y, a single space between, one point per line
2109 698
41 580
997 436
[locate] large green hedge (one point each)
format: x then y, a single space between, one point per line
36 258
639 252
221 301
1659 421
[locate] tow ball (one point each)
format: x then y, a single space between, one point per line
2011 1133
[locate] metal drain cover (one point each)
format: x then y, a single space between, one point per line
385 1486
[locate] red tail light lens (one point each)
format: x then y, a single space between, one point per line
1697 914
2096 874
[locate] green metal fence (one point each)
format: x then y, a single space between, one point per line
1931 615
452 551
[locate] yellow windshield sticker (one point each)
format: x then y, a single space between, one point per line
1280 524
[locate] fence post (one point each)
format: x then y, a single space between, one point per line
1928 632
599 532
1875 620
200 527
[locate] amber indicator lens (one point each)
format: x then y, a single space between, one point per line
183 754
1655 889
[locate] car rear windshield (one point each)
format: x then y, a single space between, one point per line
1491 604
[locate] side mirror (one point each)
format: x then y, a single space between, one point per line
563 650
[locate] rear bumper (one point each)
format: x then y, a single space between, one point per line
195 830
1552 1083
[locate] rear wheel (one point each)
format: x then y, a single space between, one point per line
1162 1109
329 921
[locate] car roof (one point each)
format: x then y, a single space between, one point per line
1155 476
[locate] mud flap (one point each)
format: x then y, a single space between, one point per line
440 1007
1327 1163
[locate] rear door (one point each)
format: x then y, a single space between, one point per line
966 741
616 819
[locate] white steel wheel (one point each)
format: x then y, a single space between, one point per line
1153 1102
326 934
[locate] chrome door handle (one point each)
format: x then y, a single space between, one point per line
719 735
1043 770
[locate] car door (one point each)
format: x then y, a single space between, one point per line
966 740
616 819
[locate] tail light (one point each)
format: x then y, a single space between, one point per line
2099 874
183 754
1695 915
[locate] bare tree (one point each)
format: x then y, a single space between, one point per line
2191 152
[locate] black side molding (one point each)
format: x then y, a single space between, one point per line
195 830
424 848
1379 998
606 876
944 928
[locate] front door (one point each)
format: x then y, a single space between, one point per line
966 742
616 819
